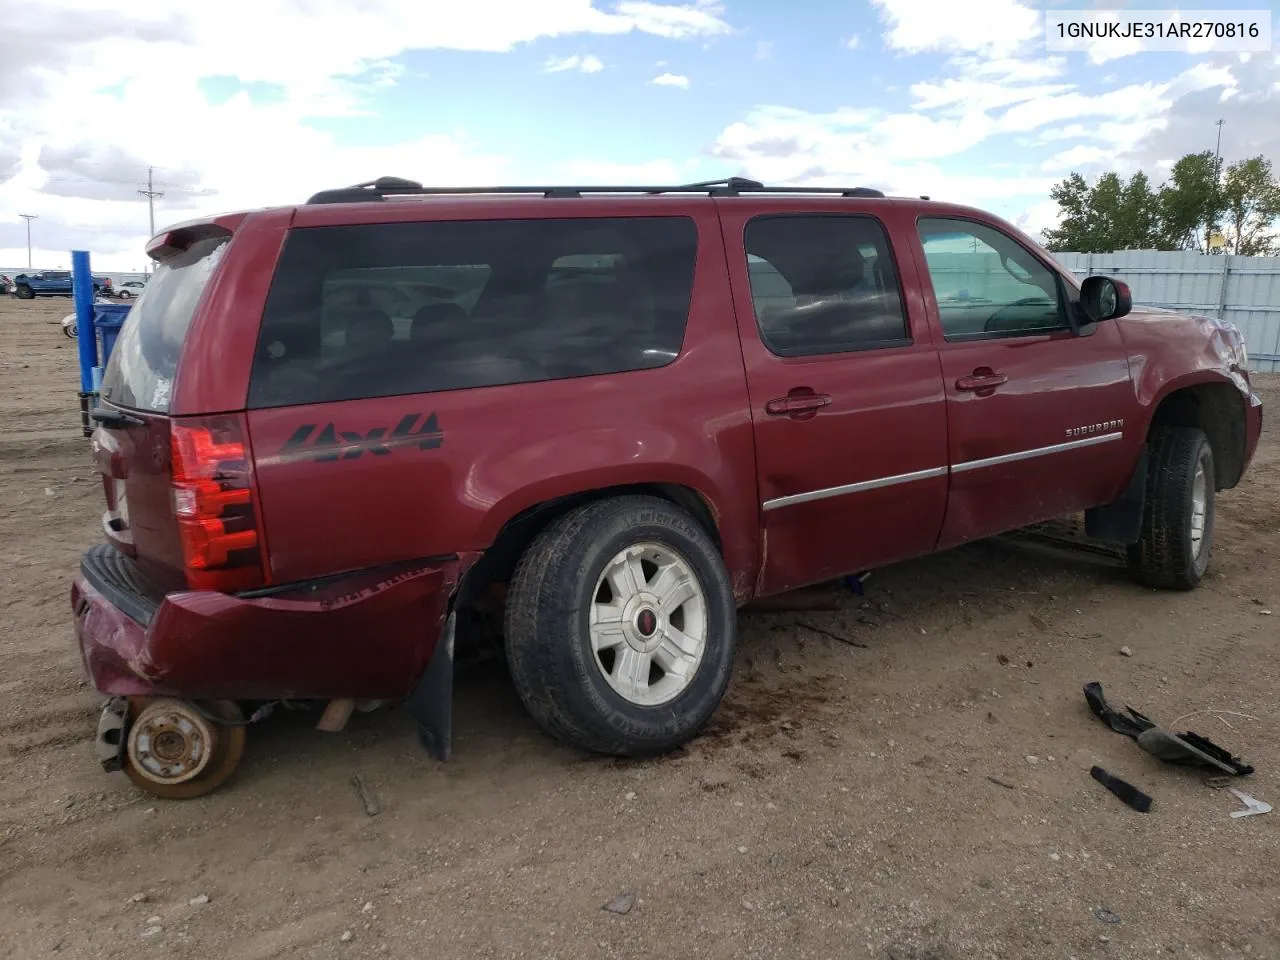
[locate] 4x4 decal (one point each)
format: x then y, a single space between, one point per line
334 444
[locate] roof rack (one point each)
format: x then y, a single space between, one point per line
384 187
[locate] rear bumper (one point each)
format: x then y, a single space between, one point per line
369 634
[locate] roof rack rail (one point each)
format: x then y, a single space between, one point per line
383 187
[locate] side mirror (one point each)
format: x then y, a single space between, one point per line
1102 298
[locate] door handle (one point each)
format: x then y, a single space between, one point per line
982 380
796 404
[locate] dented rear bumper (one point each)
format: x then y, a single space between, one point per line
370 634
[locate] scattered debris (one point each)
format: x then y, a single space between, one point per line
1181 749
1002 659
1255 807
347 936
368 907
1126 651
370 802
199 900
138 898
621 904
1033 760
153 921
1038 623
1264 613
1105 915
1001 783
828 633
152 931
1055 857
1127 792
630 795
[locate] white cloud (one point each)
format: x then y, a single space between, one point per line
853 42
997 28
1078 158
671 80
72 68
583 64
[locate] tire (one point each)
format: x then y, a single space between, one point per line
23 292
72 331
559 588
124 295
1180 486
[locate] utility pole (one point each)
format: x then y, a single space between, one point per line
1217 152
29 217
152 194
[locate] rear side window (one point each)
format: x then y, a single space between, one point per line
388 309
823 284
145 358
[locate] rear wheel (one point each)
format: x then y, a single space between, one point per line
23 292
621 627
1177 520
177 751
124 294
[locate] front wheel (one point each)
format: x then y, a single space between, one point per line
621 627
124 295
1177 519
23 292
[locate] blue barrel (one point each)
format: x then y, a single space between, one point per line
108 318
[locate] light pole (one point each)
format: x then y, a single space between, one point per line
1217 182
29 217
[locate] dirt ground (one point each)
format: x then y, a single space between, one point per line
924 795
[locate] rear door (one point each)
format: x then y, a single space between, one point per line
1041 418
131 445
846 395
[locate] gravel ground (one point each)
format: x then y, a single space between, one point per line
924 796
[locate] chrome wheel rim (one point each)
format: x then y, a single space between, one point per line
1199 507
648 624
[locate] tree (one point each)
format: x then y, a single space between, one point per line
1189 202
1180 215
1251 201
1111 215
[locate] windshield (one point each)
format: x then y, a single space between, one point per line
145 358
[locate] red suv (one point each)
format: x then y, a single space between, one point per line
327 430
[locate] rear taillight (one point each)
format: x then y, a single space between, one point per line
213 503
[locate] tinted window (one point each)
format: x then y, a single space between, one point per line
368 311
986 283
145 357
823 284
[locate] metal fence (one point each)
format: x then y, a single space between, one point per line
1243 290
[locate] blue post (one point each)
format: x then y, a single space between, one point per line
86 336
86 339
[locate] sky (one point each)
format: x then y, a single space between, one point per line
248 103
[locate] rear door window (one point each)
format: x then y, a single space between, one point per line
824 284
143 362
381 310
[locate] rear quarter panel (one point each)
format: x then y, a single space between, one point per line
447 485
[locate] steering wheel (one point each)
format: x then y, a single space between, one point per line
993 321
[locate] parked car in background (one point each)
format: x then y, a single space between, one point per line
52 283
6 284
340 427
130 289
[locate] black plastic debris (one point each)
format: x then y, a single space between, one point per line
1127 792
1183 749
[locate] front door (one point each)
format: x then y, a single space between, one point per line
846 395
1042 418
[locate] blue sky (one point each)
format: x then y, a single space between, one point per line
264 101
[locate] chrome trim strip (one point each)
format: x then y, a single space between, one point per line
854 487
933 472
1036 452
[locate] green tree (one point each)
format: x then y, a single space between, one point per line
1251 198
1110 215
1189 203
